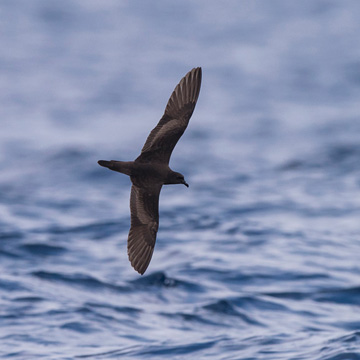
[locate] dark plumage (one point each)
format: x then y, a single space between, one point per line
150 171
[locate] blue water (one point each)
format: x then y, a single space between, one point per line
259 258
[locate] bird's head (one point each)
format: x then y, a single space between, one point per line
176 178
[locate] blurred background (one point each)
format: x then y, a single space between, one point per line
259 258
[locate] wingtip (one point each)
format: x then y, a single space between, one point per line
140 261
186 92
197 71
140 257
141 272
139 268
198 68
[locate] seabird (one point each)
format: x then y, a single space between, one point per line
150 170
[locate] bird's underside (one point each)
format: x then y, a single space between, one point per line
150 170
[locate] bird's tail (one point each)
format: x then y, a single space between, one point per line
124 167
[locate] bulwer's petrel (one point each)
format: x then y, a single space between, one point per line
150 171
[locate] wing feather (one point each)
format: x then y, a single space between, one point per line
144 206
163 138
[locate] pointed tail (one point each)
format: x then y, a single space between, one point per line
124 167
105 163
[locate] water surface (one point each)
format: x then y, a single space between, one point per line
259 258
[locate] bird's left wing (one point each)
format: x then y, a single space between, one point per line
163 138
144 206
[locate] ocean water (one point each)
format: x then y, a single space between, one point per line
259 258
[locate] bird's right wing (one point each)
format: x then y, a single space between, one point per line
144 206
163 138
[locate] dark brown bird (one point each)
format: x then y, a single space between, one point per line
150 171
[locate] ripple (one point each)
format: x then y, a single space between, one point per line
227 307
78 279
30 299
79 327
159 279
97 230
9 254
190 348
342 348
11 285
156 351
294 295
43 249
12 235
118 309
340 296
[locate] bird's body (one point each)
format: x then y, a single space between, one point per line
150 171
143 174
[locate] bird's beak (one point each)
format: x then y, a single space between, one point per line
185 183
